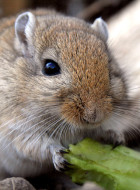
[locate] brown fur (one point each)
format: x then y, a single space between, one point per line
81 97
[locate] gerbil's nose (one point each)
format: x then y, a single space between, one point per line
93 115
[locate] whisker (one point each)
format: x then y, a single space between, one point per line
43 132
54 132
63 124
132 113
125 122
24 132
19 126
41 127
65 132
23 114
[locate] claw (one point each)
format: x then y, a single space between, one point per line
67 163
64 151
116 144
59 161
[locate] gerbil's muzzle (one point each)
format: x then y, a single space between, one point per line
93 114
80 110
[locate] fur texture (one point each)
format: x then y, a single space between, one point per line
40 114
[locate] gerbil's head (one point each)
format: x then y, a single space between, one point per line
68 68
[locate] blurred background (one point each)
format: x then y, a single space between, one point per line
85 9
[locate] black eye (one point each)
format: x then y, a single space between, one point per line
51 68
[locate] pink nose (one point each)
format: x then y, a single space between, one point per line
93 115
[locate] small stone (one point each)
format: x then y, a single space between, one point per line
15 183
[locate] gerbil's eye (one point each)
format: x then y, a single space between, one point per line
51 68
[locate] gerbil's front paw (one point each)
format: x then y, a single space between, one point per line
59 162
114 138
118 139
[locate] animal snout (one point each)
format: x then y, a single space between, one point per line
93 115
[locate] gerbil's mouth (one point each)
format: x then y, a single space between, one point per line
88 125
92 123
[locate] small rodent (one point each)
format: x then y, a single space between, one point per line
59 83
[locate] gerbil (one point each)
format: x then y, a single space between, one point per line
59 83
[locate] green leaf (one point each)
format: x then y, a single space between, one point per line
113 169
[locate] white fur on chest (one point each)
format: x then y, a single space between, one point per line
17 165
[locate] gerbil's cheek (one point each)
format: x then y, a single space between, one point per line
70 112
118 89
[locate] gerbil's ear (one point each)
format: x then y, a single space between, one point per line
24 27
100 27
